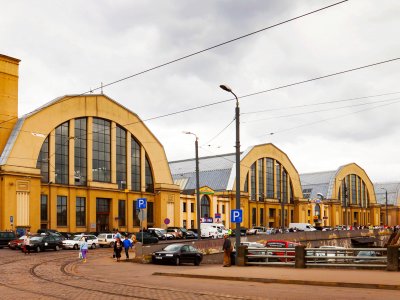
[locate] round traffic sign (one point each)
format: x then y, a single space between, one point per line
166 221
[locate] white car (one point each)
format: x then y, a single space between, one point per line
77 241
106 239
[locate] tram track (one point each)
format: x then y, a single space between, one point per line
57 272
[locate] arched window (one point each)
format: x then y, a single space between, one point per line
149 177
318 210
205 207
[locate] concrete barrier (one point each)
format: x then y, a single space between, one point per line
393 256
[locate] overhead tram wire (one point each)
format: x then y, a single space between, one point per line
328 119
319 103
269 90
393 100
196 53
255 93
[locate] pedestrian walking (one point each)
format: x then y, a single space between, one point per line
127 244
25 244
227 247
118 248
83 248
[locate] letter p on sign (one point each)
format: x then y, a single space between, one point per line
141 203
236 216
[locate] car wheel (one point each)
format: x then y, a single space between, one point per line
93 246
76 247
111 244
177 261
57 248
197 261
37 249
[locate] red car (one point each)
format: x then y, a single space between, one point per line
17 243
282 244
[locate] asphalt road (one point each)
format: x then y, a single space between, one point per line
60 275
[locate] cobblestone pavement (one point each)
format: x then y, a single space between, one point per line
60 275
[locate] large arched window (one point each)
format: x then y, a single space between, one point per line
205 207
353 191
100 156
62 153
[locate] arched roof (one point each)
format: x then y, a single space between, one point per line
253 153
24 144
328 182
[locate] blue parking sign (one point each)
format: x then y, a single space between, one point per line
236 216
141 203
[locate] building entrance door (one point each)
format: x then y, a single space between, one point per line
103 214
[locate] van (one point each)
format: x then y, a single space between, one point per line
220 227
211 232
302 226
5 237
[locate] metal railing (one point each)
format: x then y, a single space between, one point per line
348 257
271 256
328 257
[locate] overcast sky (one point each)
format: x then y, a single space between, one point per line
71 47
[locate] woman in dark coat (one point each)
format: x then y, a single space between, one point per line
118 248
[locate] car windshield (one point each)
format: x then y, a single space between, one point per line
36 238
183 230
163 231
77 238
172 247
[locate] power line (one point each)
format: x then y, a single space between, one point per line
323 110
337 117
196 53
318 103
269 90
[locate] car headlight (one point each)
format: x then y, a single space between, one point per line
169 255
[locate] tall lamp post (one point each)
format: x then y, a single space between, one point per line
196 144
386 206
237 114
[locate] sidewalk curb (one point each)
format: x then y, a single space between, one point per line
286 281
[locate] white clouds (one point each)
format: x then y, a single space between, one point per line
72 46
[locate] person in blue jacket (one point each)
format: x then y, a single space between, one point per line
127 244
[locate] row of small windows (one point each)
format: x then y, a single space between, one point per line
268 179
101 155
102 208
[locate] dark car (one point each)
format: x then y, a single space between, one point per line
177 254
44 242
6 237
243 231
191 234
147 238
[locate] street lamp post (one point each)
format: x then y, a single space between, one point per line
386 206
196 144
237 114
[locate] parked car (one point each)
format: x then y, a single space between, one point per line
177 254
260 229
364 256
44 242
251 231
243 231
176 231
106 239
146 237
6 237
191 235
160 233
77 241
253 248
282 244
17 243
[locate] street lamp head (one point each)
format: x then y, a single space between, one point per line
226 88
